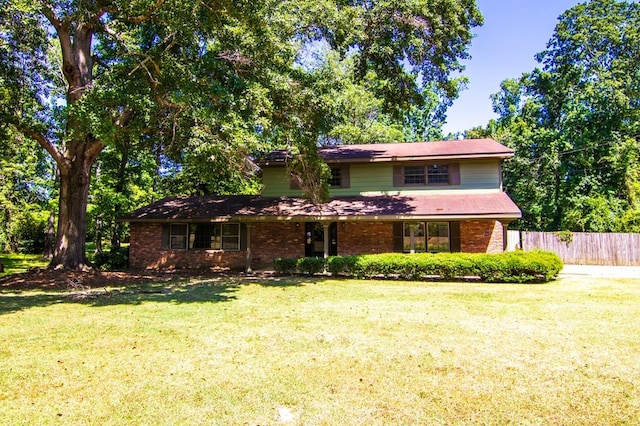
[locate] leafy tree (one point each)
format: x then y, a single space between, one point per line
24 195
574 123
210 83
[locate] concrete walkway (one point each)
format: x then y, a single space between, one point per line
601 271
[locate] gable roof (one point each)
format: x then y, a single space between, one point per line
411 151
247 208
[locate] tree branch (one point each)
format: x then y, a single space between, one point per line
51 15
141 18
45 143
125 117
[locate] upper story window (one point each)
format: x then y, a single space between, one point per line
335 179
414 175
339 177
438 173
427 174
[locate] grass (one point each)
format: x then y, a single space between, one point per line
15 263
323 352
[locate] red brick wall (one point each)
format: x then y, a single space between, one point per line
277 239
365 238
481 236
146 252
284 239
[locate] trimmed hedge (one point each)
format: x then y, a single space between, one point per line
285 265
510 267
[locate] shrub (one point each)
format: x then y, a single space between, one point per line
113 259
311 265
337 265
285 265
512 267
520 267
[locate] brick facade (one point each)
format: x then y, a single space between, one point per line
286 239
481 236
365 238
146 252
270 241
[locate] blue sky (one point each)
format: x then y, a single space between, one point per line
504 47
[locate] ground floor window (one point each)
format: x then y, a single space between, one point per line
413 237
213 236
426 236
438 237
178 236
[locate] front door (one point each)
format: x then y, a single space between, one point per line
314 239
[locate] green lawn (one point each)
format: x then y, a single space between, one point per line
323 352
15 263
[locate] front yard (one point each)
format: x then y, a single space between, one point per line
230 350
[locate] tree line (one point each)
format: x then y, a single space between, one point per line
574 123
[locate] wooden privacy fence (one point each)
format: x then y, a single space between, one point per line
581 248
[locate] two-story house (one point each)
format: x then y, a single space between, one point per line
404 197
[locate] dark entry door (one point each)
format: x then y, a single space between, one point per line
314 239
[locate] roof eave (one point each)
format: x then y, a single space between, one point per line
330 218
478 156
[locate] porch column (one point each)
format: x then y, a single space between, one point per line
412 239
249 255
325 227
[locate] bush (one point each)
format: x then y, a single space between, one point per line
29 231
342 265
285 265
311 265
113 259
511 267
517 267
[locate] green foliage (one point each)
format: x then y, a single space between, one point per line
151 84
574 124
112 260
29 231
25 186
302 265
285 265
337 265
511 267
565 236
519 267
310 265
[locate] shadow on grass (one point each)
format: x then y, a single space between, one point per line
179 290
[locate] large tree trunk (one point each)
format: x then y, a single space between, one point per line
75 177
78 153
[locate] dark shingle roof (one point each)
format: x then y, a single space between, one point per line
257 208
440 150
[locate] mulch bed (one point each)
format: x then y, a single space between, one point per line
50 279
